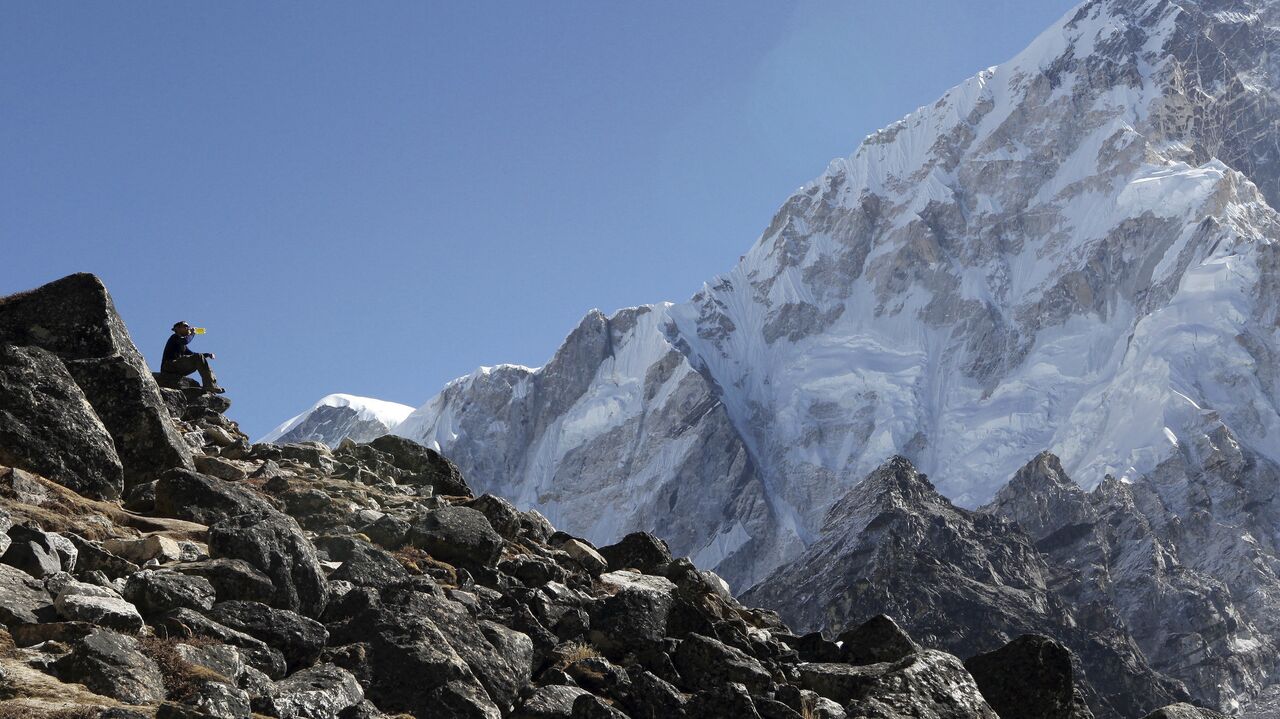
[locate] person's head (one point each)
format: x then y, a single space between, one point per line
182 329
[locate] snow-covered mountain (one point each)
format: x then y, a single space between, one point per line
1071 251
337 416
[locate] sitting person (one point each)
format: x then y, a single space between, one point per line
181 361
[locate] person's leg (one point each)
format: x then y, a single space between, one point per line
206 373
183 365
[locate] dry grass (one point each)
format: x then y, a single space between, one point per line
575 652
181 677
417 561
26 710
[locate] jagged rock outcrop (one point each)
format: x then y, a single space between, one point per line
75 319
1197 600
957 580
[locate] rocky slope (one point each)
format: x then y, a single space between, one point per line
300 582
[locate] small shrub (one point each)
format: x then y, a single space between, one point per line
575 652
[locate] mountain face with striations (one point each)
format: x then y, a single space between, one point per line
1071 251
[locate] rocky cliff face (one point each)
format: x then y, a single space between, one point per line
1154 607
1073 250
301 582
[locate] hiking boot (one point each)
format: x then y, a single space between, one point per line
214 389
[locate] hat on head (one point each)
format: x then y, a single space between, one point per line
176 325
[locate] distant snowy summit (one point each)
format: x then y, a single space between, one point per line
341 415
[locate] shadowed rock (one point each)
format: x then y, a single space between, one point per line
75 319
48 427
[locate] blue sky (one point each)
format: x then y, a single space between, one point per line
375 198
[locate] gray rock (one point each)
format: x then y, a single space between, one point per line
321 692
879 639
5 525
422 650
48 427
218 700
363 564
1029 677
461 700
92 556
388 531
185 623
232 579
1182 710
140 551
219 658
457 535
75 319
200 498
156 592
23 599
707 663
422 465
111 664
218 467
593 707
634 615
927 683
95 605
550 702
274 545
638 550
34 552
298 638
502 515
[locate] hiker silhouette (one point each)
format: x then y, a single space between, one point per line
180 360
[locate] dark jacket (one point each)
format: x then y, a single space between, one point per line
176 347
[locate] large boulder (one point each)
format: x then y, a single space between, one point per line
634 613
925 684
363 564
321 692
274 545
298 638
75 319
196 497
156 592
112 664
1029 677
638 550
708 663
37 552
23 598
458 535
48 427
423 649
186 623
232 579
422 465
80 602
879 639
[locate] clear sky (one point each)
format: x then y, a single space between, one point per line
375 198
